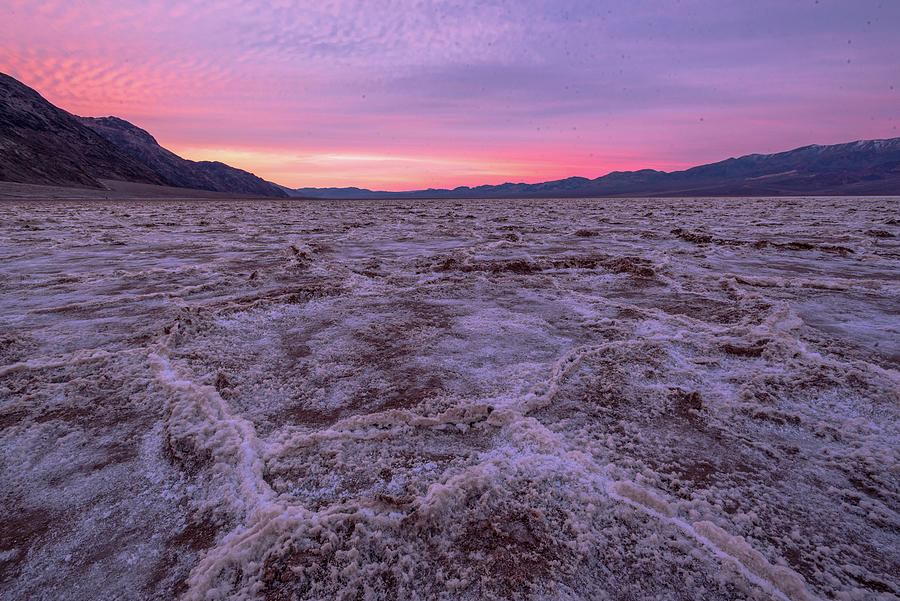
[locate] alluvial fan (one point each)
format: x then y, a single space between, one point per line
529 399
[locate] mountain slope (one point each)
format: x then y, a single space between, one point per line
42 144
863 167
200 175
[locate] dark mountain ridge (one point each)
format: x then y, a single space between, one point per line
43 144
183 173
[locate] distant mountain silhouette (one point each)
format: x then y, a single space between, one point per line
43 144
864 167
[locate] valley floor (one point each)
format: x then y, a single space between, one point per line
504 399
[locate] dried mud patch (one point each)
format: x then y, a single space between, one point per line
22 528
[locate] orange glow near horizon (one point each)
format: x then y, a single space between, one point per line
397 172
400 97
86 88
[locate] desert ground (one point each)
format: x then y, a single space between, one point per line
468 399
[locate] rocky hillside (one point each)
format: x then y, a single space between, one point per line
42 144
200 175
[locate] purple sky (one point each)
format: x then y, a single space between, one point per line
399 95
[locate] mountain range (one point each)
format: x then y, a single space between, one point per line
43 144
866 167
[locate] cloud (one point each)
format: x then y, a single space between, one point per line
667 84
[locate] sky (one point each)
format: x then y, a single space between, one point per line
397 95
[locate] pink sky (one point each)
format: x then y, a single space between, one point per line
403 95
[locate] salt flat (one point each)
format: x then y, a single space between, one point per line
547 399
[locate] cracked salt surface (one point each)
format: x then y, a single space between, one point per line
539 399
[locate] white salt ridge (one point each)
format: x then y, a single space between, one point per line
779 581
